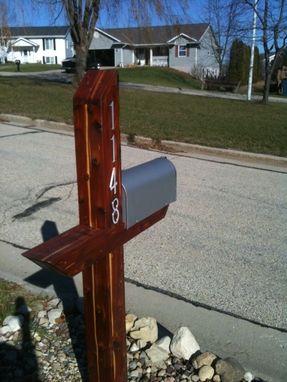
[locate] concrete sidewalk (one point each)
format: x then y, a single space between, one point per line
200 93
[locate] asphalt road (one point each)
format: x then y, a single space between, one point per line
223 243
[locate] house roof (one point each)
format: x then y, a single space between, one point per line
23 42
54 31
156 34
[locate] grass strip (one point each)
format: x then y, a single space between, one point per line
158 76
207 121
28 68
11 293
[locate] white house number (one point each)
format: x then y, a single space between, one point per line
113 179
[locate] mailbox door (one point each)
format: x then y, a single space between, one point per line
146 189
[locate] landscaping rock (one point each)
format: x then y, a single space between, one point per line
183 344
5 330
54 315
205 373
130 319
156 354
14 323
248 377
204 359
50 352
145 330
230 370
164 343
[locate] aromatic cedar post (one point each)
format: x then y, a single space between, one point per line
95 246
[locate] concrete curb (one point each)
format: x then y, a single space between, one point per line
202 152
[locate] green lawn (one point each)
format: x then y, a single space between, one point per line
28 68
208 121
11 293
36 98
158 76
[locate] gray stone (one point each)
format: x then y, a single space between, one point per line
204 359
230 370
54 302
42 314
248 377
133 365
130 319
157 355
161 373
13 322
205 373
183 344
145 329
54 314
4 330
164 343
134 348
135 373
44 321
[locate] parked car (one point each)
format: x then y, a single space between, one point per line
69 64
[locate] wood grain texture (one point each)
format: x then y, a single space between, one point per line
104 301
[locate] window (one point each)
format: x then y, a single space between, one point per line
160 51
50 60
48 43
182 52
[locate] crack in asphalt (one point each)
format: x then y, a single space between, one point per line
35 207
15 135
18 246
5 219
51 187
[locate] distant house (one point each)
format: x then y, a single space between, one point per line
187 47
46 45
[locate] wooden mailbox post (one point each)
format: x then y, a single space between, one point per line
95 246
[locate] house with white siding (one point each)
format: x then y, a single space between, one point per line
46 45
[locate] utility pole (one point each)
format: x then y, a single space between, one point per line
250 77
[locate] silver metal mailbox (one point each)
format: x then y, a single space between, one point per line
147 188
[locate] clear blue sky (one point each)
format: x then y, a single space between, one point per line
23 12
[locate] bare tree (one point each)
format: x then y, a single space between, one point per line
82 16
223 16
4 29
272 26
